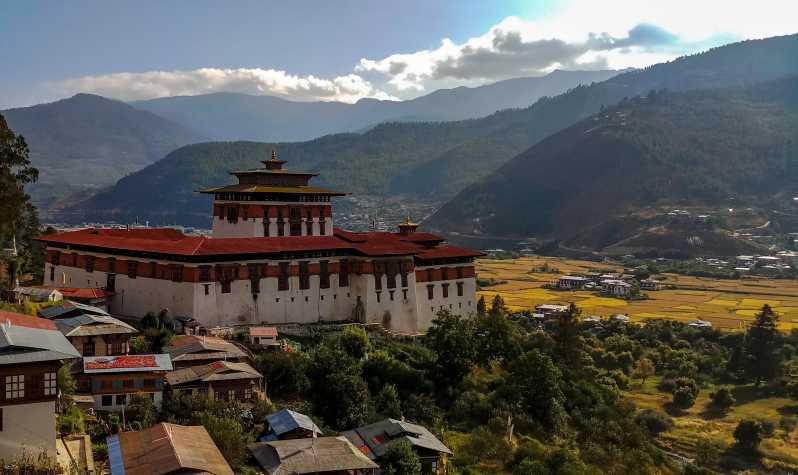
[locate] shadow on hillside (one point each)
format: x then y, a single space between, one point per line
737 459
790 410
713 412
750 393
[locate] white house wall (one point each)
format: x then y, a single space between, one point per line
30 427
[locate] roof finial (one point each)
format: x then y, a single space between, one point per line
274 155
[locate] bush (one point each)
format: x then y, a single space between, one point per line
400 459
355 341
684 392
722 399
71 421
228 436
284 372
654 421
141 412
708 452
749 434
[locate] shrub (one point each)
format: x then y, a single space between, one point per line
722 399
355 342
71 421
654 421
684 392
400 459
708 452
749 434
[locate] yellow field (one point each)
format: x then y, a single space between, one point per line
728 304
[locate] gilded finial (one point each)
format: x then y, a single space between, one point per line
407 220
274 155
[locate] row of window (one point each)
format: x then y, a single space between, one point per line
14 385
108 400
271 197
117 347
444 289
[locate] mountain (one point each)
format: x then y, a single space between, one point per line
429 161
608 181
88 141
228 116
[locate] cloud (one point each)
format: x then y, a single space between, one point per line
150 84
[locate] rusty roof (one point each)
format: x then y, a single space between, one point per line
166 449
196 347
262 331
216 371
312 455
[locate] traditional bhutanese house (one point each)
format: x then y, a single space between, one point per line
262 336
31 352
570 282
36 294
286 424
89 296
193 350
71 309
328 455
374 439
166 449
650 284
617 288
112 380
96 335
274 257
220 380
551 310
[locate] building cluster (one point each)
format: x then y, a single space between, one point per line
274 257
607 284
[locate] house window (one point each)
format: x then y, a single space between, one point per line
378 296
220 395
121 399
177 273
205 273
390 293
324 275
52 273
430 292
232 214
117 347
343 274
131 269
154 270
89 263
304 275
445 290
107 400
392 271
429 275
459 289
404 293
50 384
88 348
15 386
309 224
247 393
295 221
282 279
322 226
110 282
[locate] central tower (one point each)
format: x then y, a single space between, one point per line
272 202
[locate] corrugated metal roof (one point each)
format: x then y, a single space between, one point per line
313 455
70 308
194 348
216 371
126 363
374 439
164 449
89 325
26 339
286 420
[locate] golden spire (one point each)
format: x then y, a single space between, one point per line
407 220
274 155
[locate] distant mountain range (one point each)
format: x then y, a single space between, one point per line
227 116
600 183
88 141
436 161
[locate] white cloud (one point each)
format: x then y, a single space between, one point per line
150 84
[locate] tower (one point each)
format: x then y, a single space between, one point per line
272 201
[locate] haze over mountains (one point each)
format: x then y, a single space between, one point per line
227 116
437 161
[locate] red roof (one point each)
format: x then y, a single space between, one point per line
173 242
118 362
28 321
79 293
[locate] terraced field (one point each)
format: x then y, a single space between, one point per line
728 304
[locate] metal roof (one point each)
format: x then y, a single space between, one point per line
88 325
286 420
312 455
216 371
126 363
26 339
374 439
70 308
194 347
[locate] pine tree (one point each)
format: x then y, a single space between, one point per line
761 346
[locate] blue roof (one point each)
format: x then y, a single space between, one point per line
115 456
71 307
286 420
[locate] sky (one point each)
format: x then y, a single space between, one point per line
346 50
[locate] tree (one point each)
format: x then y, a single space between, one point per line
495 336
532 386
654 421
400 459
158 330
643 369
355 341
388 403
761 346
722 399
338 392
482 307
284 372
685 390
497 305
569 342
140 413
707 452
227 434
749 434
452 340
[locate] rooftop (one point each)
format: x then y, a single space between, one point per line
262 331
286 420
126 363
88 324
166 449
70 309
195 347
313 455
216 371
374 439
26 339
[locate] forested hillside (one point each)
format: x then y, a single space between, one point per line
733 147
431 160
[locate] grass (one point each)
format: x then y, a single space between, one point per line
702 422
728 304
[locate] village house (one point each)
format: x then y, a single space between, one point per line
262 336
570 282
24 295
96 335
616 288
274 257
550 310
113 380
193 350
89 296
71 309
166 449
31 352
220 380
327 455
650 284
286 424
374 439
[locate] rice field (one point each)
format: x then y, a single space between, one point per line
728 304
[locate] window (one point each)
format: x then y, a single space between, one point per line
404 279
304 275
1 419
430 292
176 273
205 273
107 400
117 347
52 273
50 384
322 224
378 296
231 394
309 223
429 275
295 221
15 386
88 348
254 278
343 274
282 279
132 266
445 290
392 271
459 271
459 289
390 293
121 399
404 293
154 270
89 263
247 393
324 275
232 214
110 282
225 286
207 289
219 396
